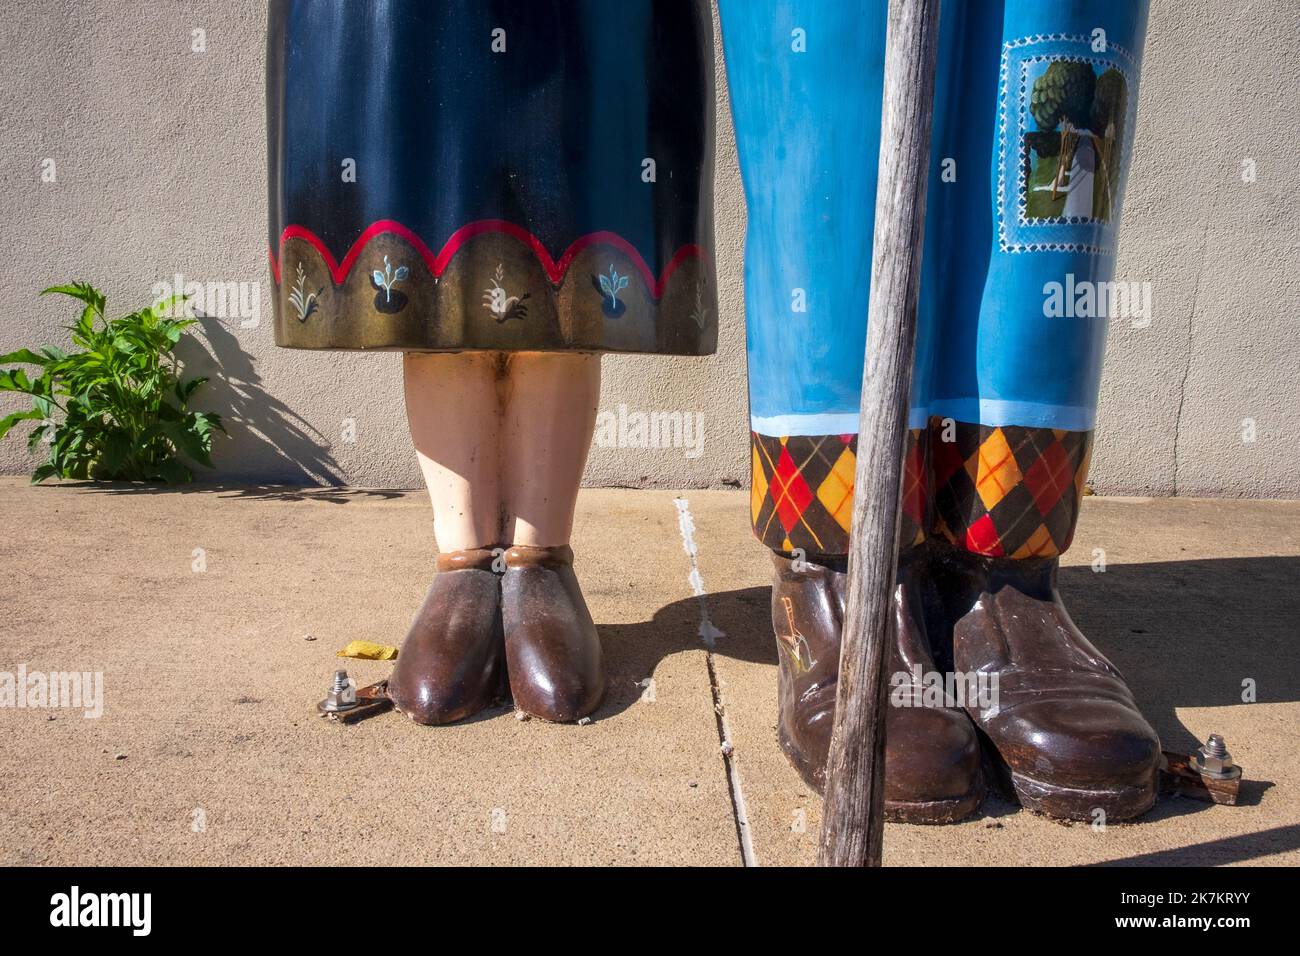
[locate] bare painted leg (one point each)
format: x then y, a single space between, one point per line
552 648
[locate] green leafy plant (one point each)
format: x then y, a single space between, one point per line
122 407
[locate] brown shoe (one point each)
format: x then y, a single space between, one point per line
932 754
1065 733
552 650
450 663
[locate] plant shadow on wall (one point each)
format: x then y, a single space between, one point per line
298 453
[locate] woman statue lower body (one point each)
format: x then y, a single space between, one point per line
502 192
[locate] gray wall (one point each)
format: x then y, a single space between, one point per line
159 161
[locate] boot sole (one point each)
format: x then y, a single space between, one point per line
918 812
551 717
1073 803
935 812
1069 803
444 717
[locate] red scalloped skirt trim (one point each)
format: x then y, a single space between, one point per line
437 263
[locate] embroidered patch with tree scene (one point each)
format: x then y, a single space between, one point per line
1066 110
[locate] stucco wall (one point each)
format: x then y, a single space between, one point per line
159 157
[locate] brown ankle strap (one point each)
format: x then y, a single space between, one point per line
530 556
477 559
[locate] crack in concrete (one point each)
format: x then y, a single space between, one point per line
709 634
740 812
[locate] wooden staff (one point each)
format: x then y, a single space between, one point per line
853 810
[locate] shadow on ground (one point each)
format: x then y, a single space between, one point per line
1235 849
1193 633
1186 634
330 495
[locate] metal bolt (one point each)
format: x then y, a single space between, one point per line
1213 760
341 696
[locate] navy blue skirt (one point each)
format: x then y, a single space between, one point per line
492 174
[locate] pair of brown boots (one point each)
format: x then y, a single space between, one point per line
493 613
1041 710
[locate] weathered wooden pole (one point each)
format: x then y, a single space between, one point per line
853 810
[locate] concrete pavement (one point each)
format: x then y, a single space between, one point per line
197 606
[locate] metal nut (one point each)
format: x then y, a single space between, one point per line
341 696
1213 759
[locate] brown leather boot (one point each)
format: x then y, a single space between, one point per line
552 649
1065 732
450 663
932 754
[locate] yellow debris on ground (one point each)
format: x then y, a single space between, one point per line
368 651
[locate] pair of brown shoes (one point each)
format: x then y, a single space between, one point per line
491 612
1059 728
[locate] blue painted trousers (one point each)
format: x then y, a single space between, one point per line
1033 124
